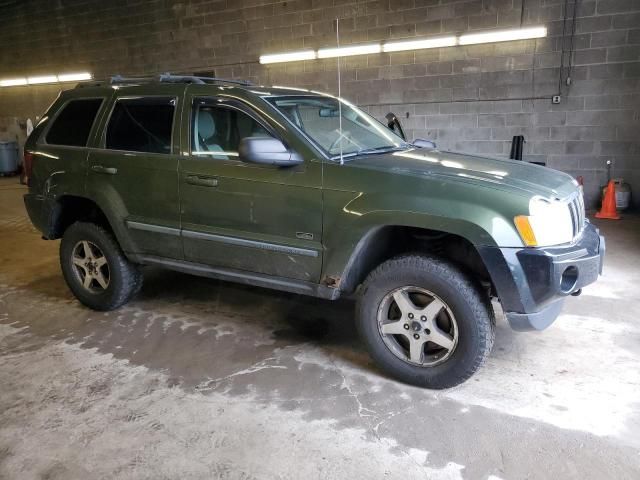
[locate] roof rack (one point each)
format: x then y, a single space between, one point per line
169 78
163 78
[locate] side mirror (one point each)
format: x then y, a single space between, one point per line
424 144
394 124
267 151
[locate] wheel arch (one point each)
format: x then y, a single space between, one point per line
383 242
68 209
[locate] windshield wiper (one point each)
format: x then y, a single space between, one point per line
370 151
387 148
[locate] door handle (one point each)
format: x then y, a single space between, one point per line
107 170
202 181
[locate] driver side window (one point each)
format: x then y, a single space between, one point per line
217 130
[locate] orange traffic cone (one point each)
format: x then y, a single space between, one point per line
608 209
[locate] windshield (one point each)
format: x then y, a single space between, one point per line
319 117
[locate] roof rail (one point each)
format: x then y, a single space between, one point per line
169 78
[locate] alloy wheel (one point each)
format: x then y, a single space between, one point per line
417 326
90 266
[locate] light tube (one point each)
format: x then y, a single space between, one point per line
419 44
400 46
349 51
74 77
42 79
37 80
502 35
288 57
12 82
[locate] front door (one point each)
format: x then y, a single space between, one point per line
136 172
256 218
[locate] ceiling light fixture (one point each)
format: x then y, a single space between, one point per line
349 51
12 82
407 45
42 79
503 35
420 44
74 77
288 57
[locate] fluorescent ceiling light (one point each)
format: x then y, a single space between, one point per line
42 79
74 77
349 51
420 44
11 82
503 35
288 57
438 42
65 77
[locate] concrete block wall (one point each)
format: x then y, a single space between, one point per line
473 99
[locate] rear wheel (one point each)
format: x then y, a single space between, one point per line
425 322
95 268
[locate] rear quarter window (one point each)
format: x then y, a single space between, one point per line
71 127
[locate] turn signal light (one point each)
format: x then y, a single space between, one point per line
525 230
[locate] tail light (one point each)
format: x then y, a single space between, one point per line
28 167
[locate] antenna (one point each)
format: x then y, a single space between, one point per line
340 138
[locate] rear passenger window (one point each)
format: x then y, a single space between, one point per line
73 124
141 125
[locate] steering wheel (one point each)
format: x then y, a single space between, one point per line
346 136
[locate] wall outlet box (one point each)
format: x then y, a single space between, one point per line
555 99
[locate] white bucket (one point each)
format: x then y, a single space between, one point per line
623 193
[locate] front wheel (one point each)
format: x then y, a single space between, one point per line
425 322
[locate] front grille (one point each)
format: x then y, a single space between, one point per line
576 208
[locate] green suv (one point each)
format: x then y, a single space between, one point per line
303 192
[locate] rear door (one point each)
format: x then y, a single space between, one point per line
61 151
257 218
134 172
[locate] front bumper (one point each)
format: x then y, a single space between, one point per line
532 283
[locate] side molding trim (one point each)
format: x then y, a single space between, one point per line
152 228
242 242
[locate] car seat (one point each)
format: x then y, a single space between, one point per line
206 133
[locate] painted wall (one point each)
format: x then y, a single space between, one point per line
473 99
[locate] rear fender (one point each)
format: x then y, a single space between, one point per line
58 213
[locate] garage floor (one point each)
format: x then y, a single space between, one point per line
202 379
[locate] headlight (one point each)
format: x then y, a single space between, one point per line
548 223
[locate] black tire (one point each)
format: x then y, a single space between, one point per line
125 278
469 304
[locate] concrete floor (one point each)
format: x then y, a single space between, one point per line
202 379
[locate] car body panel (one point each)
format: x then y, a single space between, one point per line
144 186
251 217
62 169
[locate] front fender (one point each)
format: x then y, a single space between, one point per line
352 220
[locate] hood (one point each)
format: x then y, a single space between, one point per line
529 179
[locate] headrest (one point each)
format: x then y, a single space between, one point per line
206 124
